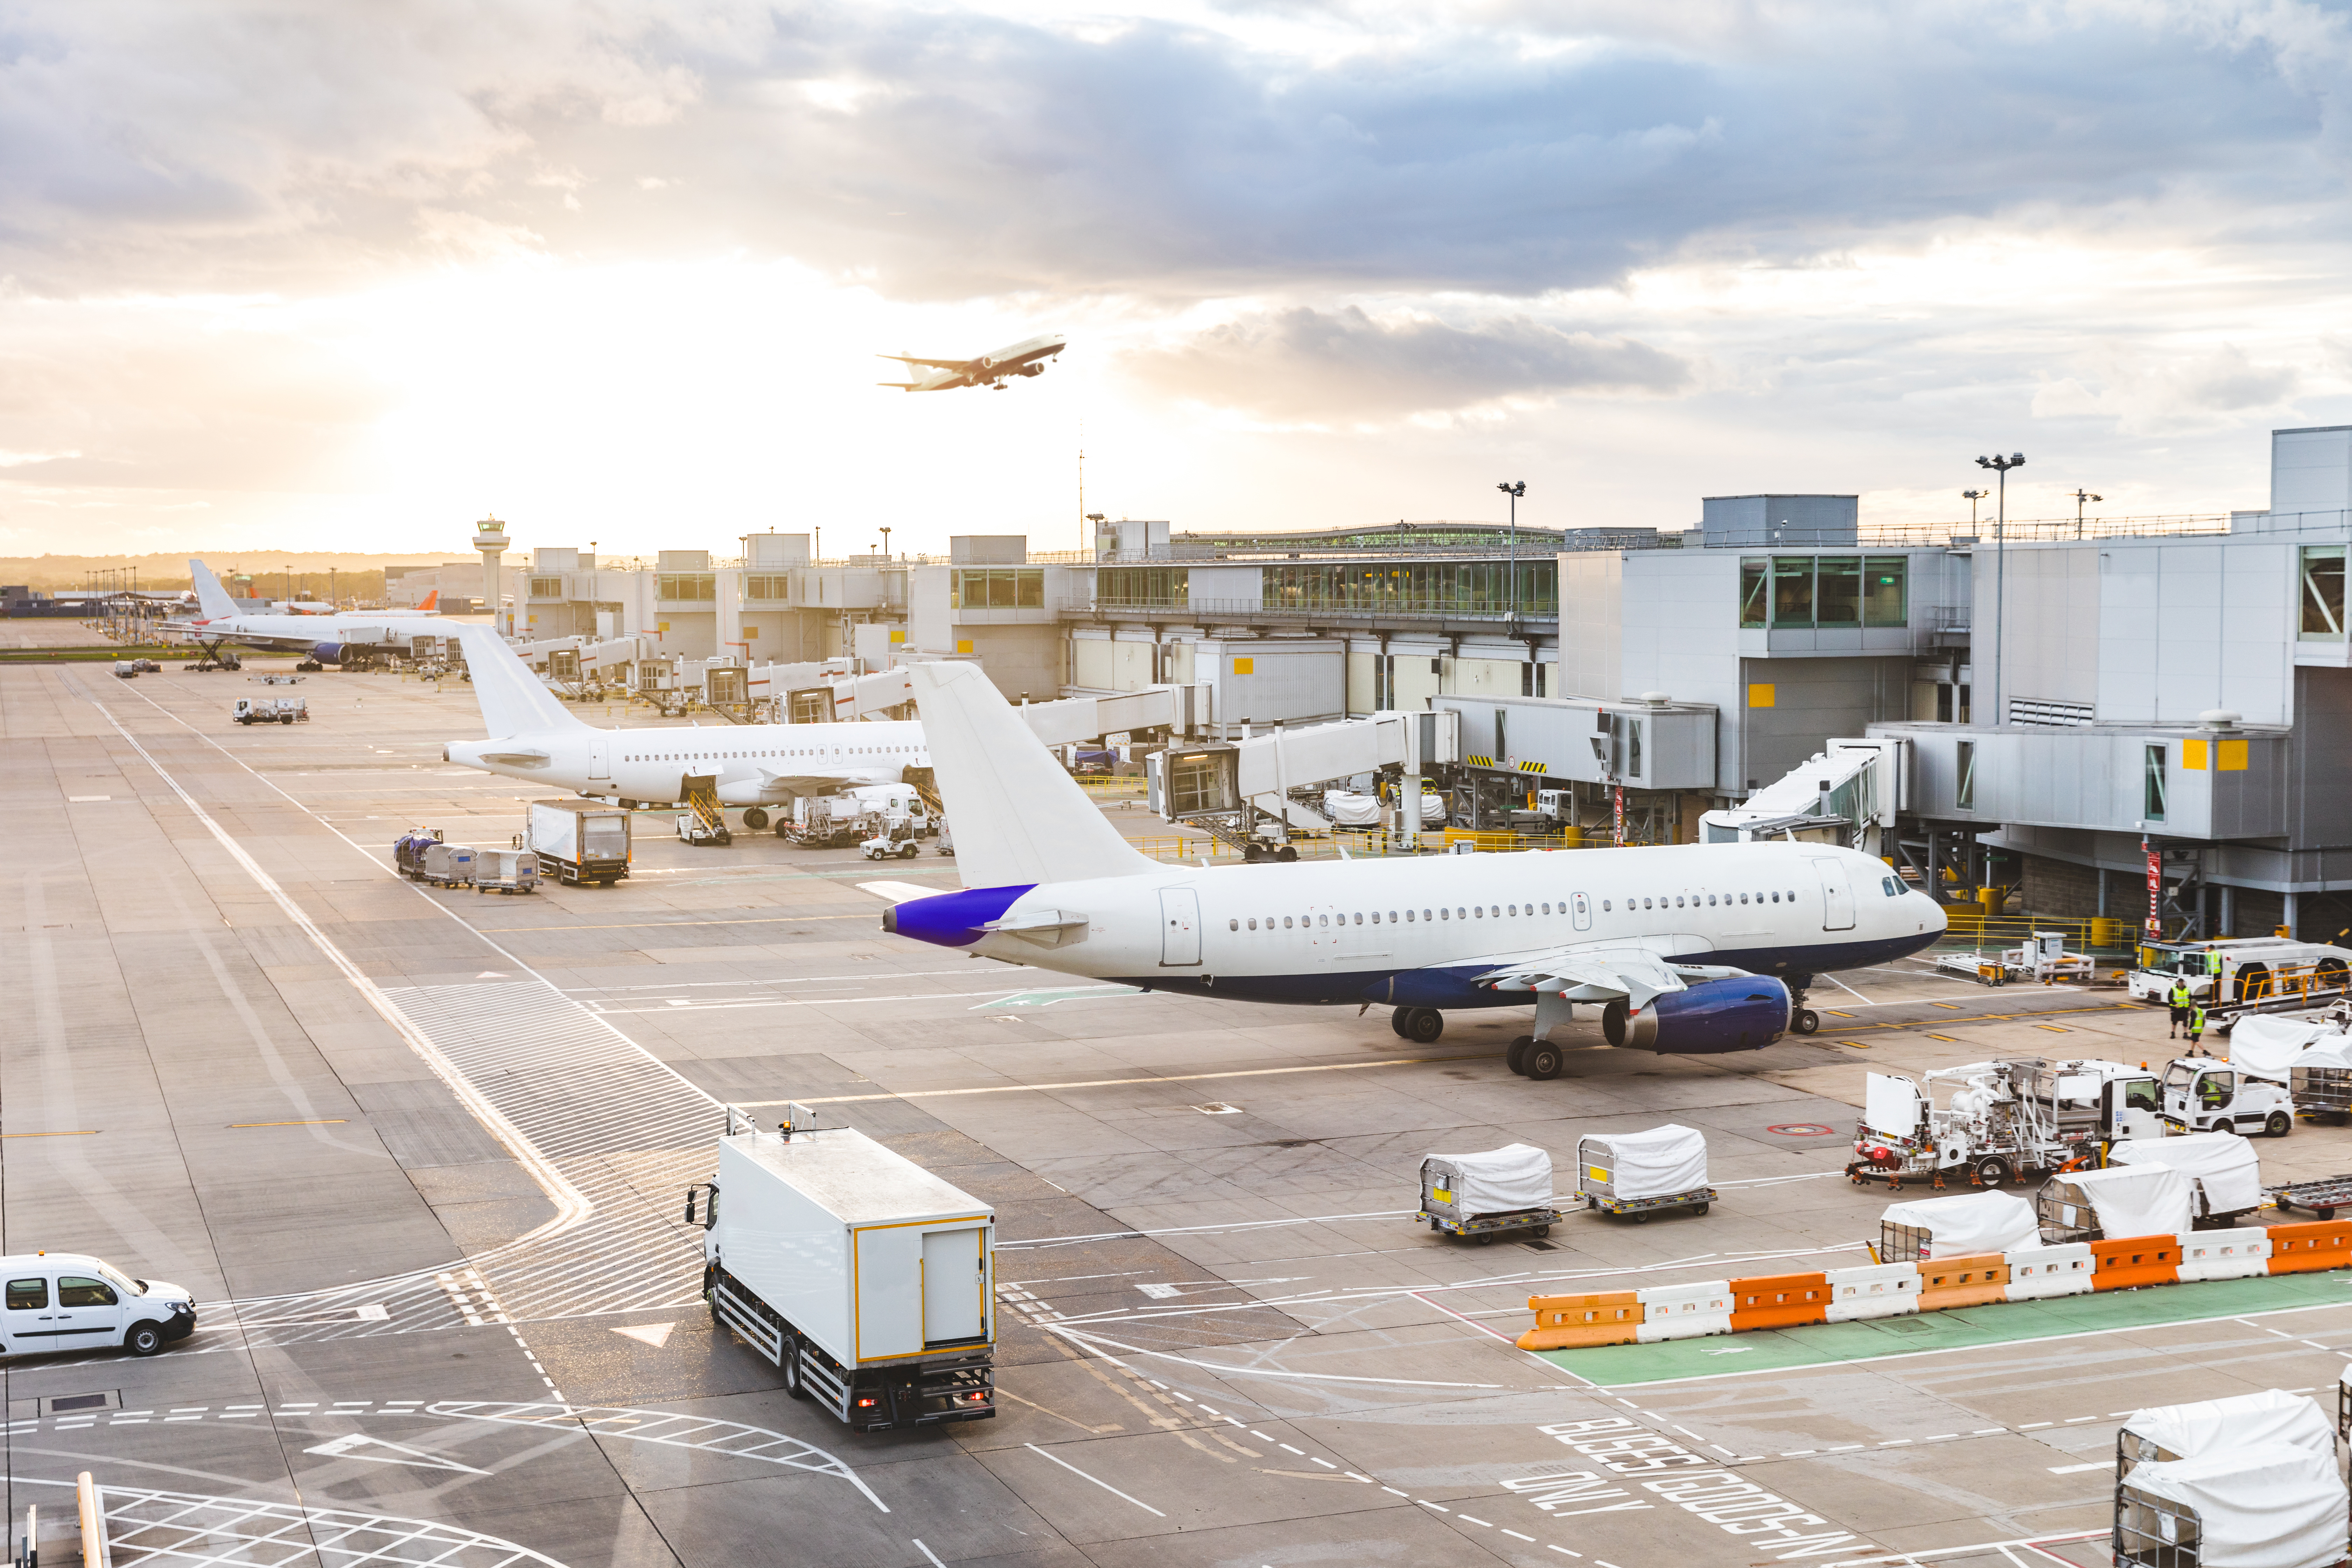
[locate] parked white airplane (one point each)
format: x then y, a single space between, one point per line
341 636
1027 358
533 736
428 606
1684 947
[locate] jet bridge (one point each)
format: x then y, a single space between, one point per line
1848 795
1264 787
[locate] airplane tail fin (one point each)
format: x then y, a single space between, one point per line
210 597
1016 815
514 700
432 601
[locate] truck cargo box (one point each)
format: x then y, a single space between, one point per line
580 840
865 1278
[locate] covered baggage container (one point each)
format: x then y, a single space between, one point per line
2267 1048
2319 1079
2168 1432
2128 1200
1640 1172
1966 1225
448 865
2221 1166
1488 1194
2267 1505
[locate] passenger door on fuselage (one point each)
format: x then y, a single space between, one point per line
1837 895
1180 927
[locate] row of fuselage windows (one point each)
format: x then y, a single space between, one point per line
1505 911
907 753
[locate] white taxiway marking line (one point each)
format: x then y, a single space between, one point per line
1115 1082
1083 1475
929 1553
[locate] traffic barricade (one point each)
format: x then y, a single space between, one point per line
1779 1301
1948 1282
2046 1273
2125 1262
1873 1290
1571 1322
2241 1253
1685 1311
2310 1247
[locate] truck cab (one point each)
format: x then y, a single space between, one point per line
2203 1096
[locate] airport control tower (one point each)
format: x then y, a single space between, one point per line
490 538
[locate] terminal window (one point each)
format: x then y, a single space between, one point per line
1799 591
686 586
2152 806
2323 592
997 588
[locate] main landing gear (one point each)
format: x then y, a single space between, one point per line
754 819
1419 1025
1531 1057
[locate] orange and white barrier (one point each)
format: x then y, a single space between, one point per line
1895 1289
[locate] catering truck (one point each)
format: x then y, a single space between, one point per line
580 840
863 1277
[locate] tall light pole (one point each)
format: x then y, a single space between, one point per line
1514 488
2001 466
886 545
2080 497
1972 497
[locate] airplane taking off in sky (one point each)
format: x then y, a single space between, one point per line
989 370
339 637
1683 948
533 736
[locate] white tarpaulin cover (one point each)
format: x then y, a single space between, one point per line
2269 1506
2223 1162
1653 1164
2265 1047
1500 1181
1346 808
1433 808
1969 1222
1890 1105
2137 1200
2218 1425
2334 1051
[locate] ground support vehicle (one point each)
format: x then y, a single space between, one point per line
126 668
448 865
2202 1095
2257 973
2043 958
2224 1175
899 844
1642 1173
506 871
2322 1089
216 659
408 851
579 840
1497 1192
2321 1197
865 1278
272 711
1989 1122
71 1301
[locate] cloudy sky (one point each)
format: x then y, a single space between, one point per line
326 274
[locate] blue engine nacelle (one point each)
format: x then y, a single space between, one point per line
328 653
1744 1013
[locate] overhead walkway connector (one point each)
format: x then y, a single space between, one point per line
1264 787
1848 795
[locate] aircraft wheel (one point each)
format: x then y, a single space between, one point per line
1805 1022
755 819
779 831
1397 1019
1516 1056
1286 854
1423 1026
1543 1061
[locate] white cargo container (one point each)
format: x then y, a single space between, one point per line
863 1277
580 840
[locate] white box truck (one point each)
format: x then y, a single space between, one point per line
863 1277
580 840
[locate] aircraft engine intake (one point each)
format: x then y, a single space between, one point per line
1743 1013
327 653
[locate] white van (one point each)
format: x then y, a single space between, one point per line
69 1301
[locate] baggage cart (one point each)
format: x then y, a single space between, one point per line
1496 1192
1643 1174
506 870
2321 1198
408 851
448 865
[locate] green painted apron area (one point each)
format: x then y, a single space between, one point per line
2005 1322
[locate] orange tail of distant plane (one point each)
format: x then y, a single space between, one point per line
432 600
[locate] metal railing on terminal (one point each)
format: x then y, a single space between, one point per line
1419 607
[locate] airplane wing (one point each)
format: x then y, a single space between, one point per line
1634 974
959 365
902 385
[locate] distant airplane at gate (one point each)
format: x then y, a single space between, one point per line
989 370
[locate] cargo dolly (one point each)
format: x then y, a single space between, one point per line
2322 1197
1484 1228
1597 1181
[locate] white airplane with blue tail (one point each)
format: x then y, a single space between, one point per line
1685 949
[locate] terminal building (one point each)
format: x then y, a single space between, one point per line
2059 708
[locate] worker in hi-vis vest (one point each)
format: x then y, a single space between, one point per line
2181 1001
